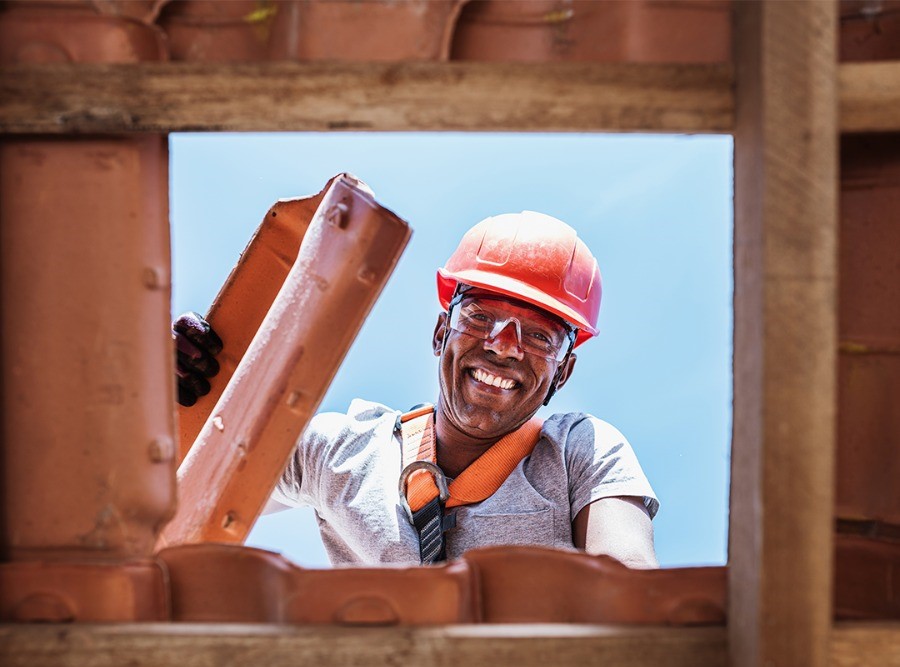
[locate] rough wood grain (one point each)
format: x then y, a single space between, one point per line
241 645
870 96
188 645
780 551
176 97
865 645
173 97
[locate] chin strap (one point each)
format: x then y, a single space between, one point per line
553 385
557 377
424 492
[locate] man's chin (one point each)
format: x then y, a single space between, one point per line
485 422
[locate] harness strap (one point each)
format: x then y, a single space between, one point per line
429 524
425 502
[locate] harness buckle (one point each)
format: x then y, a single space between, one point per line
439 479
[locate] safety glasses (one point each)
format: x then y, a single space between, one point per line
486 318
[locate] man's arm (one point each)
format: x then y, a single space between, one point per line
619 527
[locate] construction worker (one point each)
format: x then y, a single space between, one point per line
518 295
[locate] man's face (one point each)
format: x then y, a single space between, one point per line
491 385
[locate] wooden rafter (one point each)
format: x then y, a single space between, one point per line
273 97
177 97
190 645
870 96
187 645
785 334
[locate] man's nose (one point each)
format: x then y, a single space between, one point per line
505 342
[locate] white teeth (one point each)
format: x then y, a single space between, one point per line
493 380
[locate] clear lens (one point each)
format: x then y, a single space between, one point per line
487 318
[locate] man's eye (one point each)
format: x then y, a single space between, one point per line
540 337
478 320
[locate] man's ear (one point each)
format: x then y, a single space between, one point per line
440 331
565 371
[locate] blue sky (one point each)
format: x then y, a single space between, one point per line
655 210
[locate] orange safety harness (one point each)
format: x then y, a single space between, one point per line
424 492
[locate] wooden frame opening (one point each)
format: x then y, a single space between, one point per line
786 100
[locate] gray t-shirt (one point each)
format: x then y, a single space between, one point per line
347 467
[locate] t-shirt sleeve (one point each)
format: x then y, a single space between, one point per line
296 486
329 438
602 464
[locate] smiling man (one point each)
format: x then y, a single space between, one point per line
477 469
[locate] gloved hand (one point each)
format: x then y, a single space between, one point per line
196 345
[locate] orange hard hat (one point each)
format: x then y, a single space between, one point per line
531 257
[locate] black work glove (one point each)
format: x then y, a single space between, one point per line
196 345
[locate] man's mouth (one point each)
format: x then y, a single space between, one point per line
481 375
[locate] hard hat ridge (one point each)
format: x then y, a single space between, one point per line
533 257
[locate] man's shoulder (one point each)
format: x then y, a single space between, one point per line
565 423
579 429
362 416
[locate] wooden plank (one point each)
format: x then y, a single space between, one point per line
187 645
865 645
175 97
870 96
785 333
274 97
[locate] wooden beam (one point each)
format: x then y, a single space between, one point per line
780 574
187 645
870 96
175 97
865 645
276 97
